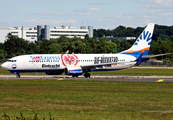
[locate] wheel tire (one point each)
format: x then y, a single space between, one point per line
18 76
88 75
85 75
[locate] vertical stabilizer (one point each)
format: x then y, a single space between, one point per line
142 44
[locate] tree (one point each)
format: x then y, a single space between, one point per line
125 45
102 45
111 47
20 45
130 32
44 47
32 49
118 43
54 48
80 46
3 54
164 47
120 31
62 39
2 46
10 43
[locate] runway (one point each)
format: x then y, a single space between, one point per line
121 78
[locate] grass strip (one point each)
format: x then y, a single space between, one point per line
86 99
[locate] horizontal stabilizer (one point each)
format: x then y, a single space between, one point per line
156 55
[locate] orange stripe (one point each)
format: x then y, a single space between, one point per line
132 51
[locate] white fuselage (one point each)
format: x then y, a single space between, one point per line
55 62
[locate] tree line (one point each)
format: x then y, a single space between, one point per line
160 31
162 43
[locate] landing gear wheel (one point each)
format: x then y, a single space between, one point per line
75 76
18 76
87 75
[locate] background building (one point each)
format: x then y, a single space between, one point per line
40 33
121 38
4 30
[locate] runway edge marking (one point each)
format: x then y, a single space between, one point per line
60 79
160 80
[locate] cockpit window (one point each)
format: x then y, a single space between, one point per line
11 60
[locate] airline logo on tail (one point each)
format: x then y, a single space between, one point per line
144 37
143 42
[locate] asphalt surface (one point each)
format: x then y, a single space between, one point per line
124 78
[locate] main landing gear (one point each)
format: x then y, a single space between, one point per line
75 76
18 75
87 75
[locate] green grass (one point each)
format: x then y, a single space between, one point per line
132 71
86 99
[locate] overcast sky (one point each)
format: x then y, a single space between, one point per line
107 14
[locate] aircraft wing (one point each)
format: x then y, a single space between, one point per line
156 55
101 64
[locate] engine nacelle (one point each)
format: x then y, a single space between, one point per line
73 71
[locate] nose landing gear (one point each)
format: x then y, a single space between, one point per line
18 75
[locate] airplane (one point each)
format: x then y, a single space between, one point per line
77 64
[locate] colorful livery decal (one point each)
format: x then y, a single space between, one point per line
47 58
142 44
69 59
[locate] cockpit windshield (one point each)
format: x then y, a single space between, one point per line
11 60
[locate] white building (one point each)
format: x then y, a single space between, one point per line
69 32
29 34
4 30
40 33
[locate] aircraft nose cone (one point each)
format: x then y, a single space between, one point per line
4 65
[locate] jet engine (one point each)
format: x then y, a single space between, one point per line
73 71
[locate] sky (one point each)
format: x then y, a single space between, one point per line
106 14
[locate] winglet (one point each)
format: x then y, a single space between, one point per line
67 52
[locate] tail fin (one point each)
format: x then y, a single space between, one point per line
142 44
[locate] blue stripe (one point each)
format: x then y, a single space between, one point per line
52 70
141 61
75 72
136 54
